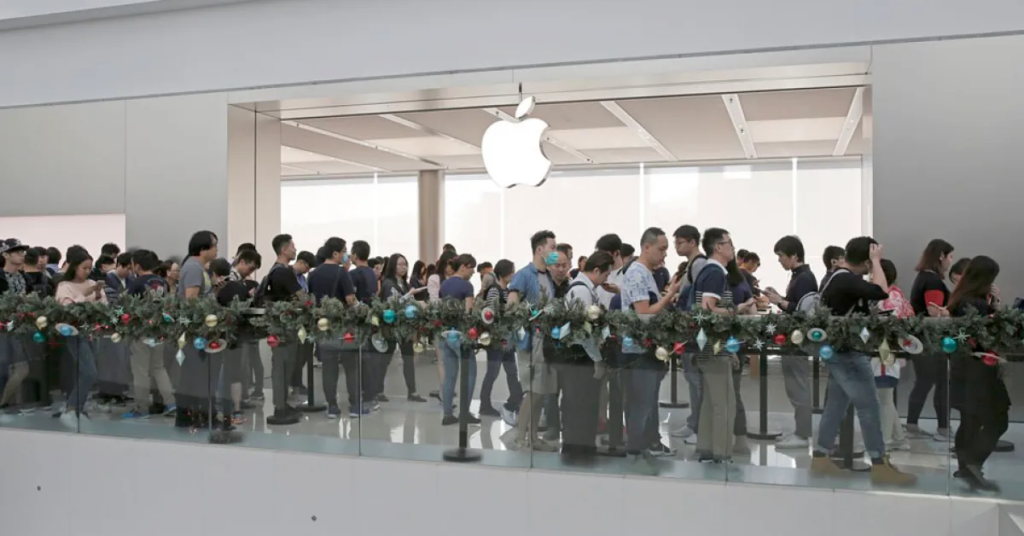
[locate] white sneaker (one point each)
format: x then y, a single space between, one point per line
690 439
941 435
69 419
510 417
793 442
897 445
685 431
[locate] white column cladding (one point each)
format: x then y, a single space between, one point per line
175 170
431 213
254 181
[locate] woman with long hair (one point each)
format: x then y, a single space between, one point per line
394 285
928 296
977 389
418 279
76 287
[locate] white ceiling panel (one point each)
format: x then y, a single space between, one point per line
790 130
793 149
363 127
584 139
427 146
804 103
291 155
633 155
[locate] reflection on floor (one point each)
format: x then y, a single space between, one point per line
412 430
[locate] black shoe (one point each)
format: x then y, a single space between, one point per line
976 478
435 394
382 398
488 411
300 390
284 417
416 398
472 419
449 420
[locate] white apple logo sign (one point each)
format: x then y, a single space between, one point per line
512 151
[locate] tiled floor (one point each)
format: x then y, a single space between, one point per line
409 430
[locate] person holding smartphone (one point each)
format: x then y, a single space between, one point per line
395 285
76 287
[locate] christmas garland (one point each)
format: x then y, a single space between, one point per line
211 327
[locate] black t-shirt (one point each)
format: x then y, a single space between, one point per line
40 282
801 283
365 281
752 281
322 282
926 282
147 283
231 290
661 278
284 284
848 291
393 287
982 305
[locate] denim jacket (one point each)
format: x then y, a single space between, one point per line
526 283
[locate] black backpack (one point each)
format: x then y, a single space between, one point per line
260 298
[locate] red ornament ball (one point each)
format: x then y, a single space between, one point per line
213 345
125 318
488 315
779 339
349 337
648 343
309 304
273 341
678 348
472 334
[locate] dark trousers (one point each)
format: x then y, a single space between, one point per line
978 434
282 363
740 424
200 376
408 366
642 383
357 374
929 371
303 357
580 394
497 359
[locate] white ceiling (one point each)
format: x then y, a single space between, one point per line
777 124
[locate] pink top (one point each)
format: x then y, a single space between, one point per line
897 303
71 292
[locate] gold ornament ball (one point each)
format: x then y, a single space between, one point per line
484 339
115 338
797 337
594 312
661 353
323 324
41 322
211 321
417 348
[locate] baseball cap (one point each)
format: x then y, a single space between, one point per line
12 244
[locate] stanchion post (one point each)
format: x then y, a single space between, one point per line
673 401
462 453
762 433
816 385
310 406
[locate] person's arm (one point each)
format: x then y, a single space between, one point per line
191 280
644 307
434 287
802 286
516 288
64 295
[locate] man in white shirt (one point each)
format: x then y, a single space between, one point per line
582 371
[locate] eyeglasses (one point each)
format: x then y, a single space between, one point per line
726 243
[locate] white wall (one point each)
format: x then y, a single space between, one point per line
120 487
282 42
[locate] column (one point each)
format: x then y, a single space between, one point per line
254 181
431 214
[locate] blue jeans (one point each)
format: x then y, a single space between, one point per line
850 380
452 354
84 358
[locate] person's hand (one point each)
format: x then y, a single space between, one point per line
876 252
772 295
673 289
937 311
611 287
994 292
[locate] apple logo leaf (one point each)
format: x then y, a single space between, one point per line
512 151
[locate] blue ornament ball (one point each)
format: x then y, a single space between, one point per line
66 330
199 343
949 345
38 337
453 336
826 352
732 345
556 333
411 311
628 342
167 318
389 316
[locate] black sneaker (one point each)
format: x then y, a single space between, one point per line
488 411
416 398
449 420
472 419
660 450
382 398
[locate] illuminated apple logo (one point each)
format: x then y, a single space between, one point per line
512 151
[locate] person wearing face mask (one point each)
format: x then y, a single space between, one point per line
533 284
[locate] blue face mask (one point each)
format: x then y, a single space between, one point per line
551 258
344 258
